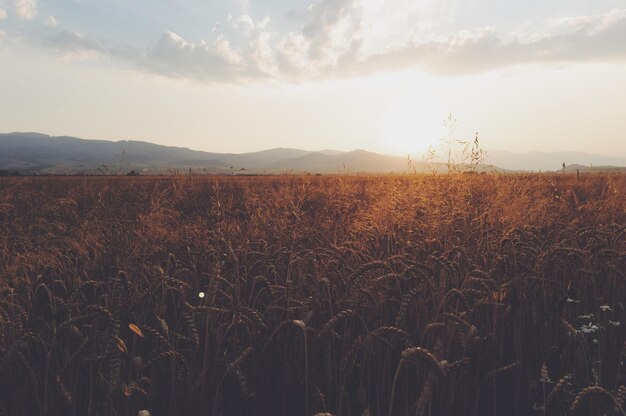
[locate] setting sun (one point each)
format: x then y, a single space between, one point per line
410 126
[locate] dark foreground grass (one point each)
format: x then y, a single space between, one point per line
482 295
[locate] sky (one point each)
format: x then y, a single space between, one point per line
241 75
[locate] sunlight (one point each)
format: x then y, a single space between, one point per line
409 126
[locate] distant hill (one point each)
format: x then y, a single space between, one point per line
39 153
273 156
43 154
33 152
535 161
586 168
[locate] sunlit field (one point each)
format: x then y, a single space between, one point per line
303 295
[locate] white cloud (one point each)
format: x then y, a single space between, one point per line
331 43
74 46
224 51
330 39
51 22
244 22
592 38
292 53
262 56
263 23
3 14
25 9
332 26
174 56
2 35
593 24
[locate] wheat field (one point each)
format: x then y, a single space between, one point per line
304 295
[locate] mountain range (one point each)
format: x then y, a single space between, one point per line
35 153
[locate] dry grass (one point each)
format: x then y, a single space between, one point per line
483 295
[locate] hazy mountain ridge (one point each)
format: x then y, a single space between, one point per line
40 153
535 161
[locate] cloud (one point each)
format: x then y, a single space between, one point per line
263 23
329 37
465 52
176 57
330 44
593 24
74 46
334 27
292 53
2 35
588 38
243 22
51 22
3 14
262 56
25 9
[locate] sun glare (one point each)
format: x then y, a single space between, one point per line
410 126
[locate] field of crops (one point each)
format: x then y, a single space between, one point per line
298 295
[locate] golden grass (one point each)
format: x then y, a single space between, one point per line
483 295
